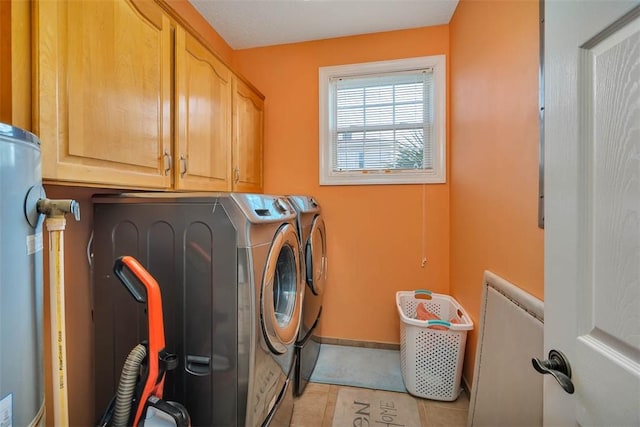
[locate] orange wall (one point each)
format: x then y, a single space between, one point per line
494 151
374 233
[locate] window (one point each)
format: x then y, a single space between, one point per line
383 122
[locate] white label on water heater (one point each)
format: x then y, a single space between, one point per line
6 411
34 244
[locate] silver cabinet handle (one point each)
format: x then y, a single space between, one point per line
183 160
168 163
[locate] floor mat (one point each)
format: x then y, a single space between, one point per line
359 367
374 407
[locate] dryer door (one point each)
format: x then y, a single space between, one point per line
281 295
316 256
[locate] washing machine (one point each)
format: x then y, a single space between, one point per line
230 273
312 233
269 254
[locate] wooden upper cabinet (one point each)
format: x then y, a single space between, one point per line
124 97
248 116
103 92
203 117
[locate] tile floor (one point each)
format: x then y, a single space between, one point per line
316 405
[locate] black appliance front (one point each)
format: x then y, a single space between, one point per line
190 249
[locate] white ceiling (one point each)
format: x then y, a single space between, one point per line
253 23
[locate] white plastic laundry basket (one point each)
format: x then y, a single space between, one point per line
431 359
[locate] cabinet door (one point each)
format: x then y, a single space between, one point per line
203 112
15 66
104 92
248 111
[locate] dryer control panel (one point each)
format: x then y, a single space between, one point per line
261 208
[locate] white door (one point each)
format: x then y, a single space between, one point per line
592 216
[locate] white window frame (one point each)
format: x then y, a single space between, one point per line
436 175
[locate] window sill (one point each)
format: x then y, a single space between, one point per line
382 178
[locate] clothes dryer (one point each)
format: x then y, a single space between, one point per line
312 232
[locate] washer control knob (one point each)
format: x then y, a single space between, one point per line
281 206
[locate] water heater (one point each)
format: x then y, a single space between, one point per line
21 281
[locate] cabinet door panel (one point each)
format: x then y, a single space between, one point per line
203 86
104 92
247 135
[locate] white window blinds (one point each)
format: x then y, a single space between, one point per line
383 122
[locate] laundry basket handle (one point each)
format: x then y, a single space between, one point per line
439 323
422 294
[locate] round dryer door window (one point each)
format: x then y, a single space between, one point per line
281 297
316 256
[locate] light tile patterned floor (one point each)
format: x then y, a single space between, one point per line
316 405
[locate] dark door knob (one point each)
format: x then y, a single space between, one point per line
558 366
